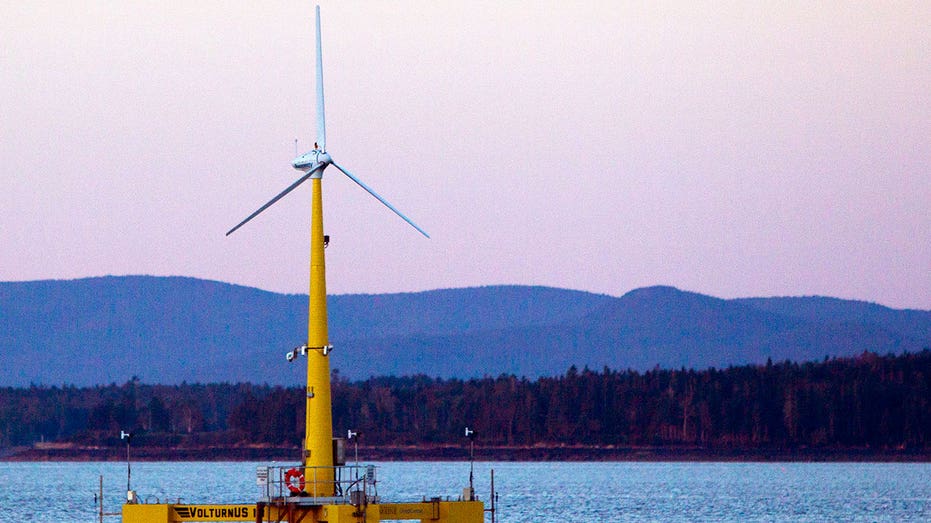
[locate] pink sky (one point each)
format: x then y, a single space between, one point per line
728 149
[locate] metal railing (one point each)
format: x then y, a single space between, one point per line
350 484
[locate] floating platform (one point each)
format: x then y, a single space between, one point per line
284 495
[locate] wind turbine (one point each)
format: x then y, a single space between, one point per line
318 442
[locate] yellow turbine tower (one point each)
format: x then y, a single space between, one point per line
318 439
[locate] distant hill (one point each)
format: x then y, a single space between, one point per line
172 329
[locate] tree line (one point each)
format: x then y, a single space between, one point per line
872 401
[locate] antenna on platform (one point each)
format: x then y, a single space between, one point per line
350 435
130 495
470 492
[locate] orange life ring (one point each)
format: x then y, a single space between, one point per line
293 473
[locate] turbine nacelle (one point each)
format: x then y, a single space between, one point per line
313 160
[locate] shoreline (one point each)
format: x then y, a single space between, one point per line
580 453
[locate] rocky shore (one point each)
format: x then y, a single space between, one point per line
71 452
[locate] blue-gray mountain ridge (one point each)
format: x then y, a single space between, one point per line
174 329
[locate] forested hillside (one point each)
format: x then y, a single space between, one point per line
170 330
880 402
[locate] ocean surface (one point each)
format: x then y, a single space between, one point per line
528 492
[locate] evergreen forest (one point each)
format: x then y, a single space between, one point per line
869 401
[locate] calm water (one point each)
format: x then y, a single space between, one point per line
529 492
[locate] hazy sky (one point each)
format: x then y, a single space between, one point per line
733 149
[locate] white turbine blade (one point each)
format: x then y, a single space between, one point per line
321 120
382 200
281 195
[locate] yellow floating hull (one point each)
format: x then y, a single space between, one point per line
428 511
